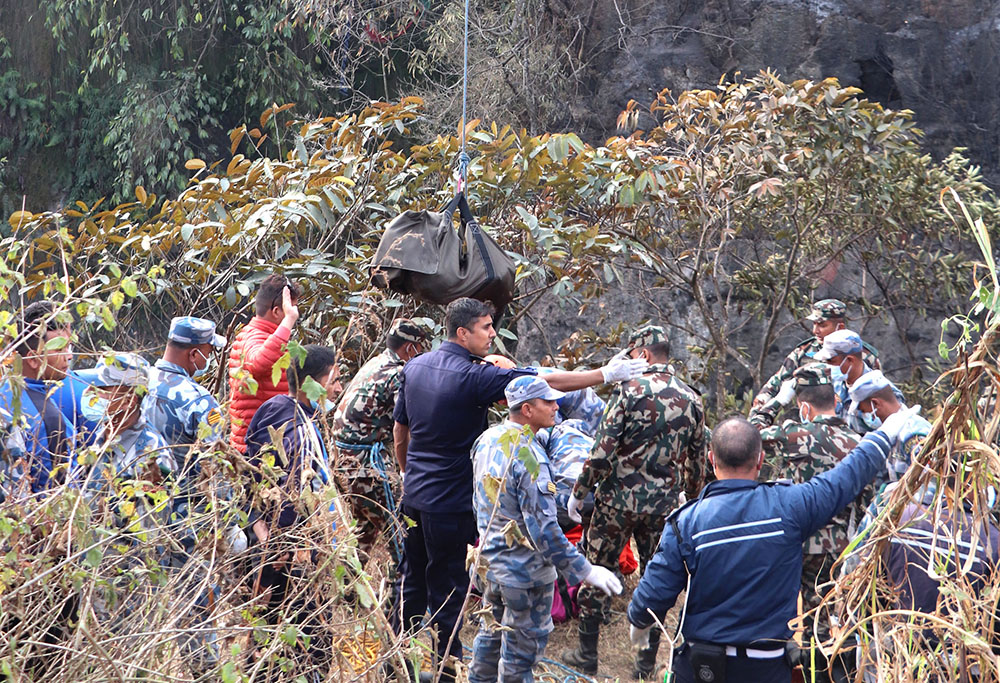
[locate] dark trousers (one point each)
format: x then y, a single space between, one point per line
432 575
738 670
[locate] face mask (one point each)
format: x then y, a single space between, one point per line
202 371
871 421
837 373
93 407
320 406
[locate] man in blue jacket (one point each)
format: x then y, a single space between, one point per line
46 431
739 543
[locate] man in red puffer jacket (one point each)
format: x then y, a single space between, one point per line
256 349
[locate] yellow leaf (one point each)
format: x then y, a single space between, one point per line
140 194
194 164
19 218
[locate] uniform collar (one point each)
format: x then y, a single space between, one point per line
830 420
726 485
167 366
393 356
456 350
659 368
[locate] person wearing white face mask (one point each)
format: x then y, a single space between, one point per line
843 350
178 407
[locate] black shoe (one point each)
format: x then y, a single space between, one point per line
584 657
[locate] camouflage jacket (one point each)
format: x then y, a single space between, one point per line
800 355
364 413
522 543
180 409
801 450
650 445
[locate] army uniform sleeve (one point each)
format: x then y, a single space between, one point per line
609 435
771 387
205 411
536 498
697 454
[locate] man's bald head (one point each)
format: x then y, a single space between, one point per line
736 444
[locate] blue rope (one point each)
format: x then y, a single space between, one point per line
377 462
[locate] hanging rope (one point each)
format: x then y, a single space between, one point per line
463 157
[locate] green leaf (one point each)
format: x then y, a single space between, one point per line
93 557
313 390
129 287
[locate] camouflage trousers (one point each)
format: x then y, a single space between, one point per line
607 535
815 574
510 655
365 490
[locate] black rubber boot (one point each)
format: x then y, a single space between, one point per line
584 657
645 660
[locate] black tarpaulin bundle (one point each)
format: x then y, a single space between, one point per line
422 254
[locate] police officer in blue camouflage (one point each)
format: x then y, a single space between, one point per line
521 544
178 407
844 351
737 550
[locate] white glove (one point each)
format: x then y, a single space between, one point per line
787 392
639 636
573 508
621 368
236 540
894 424
604 579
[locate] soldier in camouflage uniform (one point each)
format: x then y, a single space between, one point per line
799 450
828 315
521 543
650 447
362 428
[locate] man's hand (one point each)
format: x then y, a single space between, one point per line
639 636
787 392
290 310
894 424
621 368
573 508
603 579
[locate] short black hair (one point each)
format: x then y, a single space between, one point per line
269 293
821 396
885 394
182 346
317 362
34 326
463 313
735 443
394 343
659 350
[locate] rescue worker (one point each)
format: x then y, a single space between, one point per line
440 410
827 315
650 447
515 579
798 450
737 549
843 350
256 349
362 427
184 412
46 432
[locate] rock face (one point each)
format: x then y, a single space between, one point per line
940 58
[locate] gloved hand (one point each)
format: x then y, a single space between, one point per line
573 508
787 392
894 424
639 636
603 579
621 368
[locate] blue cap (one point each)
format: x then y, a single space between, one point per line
122 369
523 389
840 343
191 330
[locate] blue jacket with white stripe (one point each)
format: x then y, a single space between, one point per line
742 541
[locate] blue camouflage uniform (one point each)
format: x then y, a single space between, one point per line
582 405
844 404
567 447
180 408
742 543
521 559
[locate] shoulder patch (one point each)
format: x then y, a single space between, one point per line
214 417
552 488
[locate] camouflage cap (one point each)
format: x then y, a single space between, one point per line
526 387
122 369
867 386
190 330
407 330
812 375
827 309
647 336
